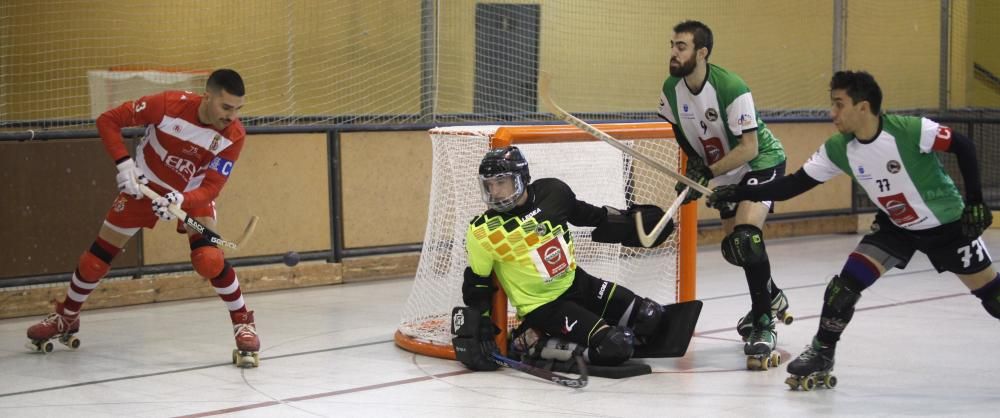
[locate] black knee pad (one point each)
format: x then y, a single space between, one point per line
611 346
646 317
745 246
842 293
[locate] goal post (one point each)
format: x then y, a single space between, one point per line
597 173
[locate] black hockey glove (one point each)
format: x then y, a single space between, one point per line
473 341
697 171
722 196
976 218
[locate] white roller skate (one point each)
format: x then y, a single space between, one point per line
759 347
779 310
58 325
814 367
246 354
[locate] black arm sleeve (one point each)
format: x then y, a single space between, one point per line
585 214
781 189
965 152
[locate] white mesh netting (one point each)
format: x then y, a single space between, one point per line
597 173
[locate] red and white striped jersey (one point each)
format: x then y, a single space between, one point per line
178 152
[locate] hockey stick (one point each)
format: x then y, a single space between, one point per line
648 240
199 227
570 382
543 87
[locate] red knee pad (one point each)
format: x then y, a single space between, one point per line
208 261
91 267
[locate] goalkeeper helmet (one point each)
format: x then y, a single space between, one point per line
503 178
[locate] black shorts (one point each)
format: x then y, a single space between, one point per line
945 245
766 175
581 310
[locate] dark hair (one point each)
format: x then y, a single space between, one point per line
228 80
860 86
701 33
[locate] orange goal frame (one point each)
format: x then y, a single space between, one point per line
513 135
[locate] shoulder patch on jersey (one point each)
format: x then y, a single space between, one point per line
221 165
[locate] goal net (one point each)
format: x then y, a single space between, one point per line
597 173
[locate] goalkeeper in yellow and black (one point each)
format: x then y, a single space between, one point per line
524 239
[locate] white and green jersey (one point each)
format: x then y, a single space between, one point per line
713 120
898 170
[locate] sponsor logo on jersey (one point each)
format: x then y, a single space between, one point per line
711 114
744 120
862 175
551 259
215 143
182 166
222 165
684 106
553 255
600 293
713 149
893 166
177 129
898 208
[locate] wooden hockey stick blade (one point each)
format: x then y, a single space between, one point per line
543 87
570 382
648 240
193 223
251 226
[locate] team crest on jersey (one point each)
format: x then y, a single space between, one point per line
541 230
119 204
177 129
215 143
684 106
711 114
893 166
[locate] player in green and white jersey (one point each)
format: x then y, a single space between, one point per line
524 239
716 124
920 208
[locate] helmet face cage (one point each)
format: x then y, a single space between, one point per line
500 164
508 180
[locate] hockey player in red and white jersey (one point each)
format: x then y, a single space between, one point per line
190 146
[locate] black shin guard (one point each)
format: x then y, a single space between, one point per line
758 282
842 293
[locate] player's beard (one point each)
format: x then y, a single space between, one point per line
682 69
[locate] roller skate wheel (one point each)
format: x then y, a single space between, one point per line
246 359
47 347
752 363
775 359
787 319
792 382
808 383
830 381
72 342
